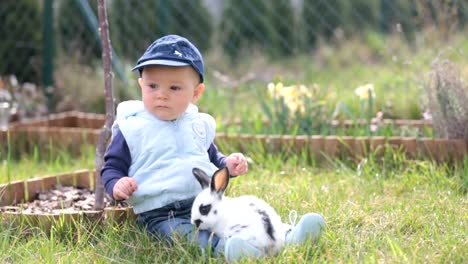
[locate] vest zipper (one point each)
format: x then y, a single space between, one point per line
175 124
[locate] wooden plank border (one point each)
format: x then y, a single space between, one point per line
14 193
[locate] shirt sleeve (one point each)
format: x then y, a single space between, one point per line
216 156
117 161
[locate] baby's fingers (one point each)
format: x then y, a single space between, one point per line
132 185
120 195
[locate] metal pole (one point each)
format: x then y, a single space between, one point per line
93 25
163 17
48 54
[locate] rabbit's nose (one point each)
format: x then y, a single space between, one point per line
198 222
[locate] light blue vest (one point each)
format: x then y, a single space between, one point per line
164 153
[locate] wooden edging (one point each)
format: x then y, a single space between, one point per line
15 193
347 147
71 130
348 124
65 119
96 121
440 150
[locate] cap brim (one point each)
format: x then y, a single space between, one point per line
161 62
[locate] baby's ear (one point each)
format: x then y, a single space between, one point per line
140 82
197 93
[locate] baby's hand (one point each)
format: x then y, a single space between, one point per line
124 187
237 164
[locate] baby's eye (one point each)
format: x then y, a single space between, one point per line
152 86
205 209
175 88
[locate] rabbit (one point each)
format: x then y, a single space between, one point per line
246 217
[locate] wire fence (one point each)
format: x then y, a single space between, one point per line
41 38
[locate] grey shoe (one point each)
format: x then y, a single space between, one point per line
310 227
236 248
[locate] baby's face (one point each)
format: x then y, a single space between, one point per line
168 91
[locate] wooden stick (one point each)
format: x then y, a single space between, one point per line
109 97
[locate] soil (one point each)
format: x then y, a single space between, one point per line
61 199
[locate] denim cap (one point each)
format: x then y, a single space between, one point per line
172 50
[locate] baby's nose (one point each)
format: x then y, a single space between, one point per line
162 94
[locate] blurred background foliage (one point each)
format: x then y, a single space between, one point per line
337 45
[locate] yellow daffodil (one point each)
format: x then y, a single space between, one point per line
292 96
364 91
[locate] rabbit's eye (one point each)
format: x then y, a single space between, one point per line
205 209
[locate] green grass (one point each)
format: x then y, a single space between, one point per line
40 163
391 210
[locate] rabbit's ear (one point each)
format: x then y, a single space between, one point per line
220 181
202 178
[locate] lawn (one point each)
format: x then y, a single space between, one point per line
389 210
382 210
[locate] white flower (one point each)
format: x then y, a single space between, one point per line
364 91
5 95
427 115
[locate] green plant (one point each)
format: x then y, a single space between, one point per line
295 109
447 95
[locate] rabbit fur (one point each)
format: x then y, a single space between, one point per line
246 217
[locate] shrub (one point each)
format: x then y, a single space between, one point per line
398 15
192 20
447 100
258 23
134 25
20 39
79 87
321 19
75 38
361 14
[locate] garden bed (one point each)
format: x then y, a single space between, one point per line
71 130
63 198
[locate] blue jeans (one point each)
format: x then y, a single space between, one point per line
174 219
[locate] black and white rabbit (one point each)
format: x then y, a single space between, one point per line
246 217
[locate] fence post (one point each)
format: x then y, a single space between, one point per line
92 22
163 17
48 53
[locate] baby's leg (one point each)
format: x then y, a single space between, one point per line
310 227
173 221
